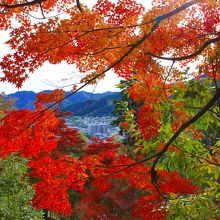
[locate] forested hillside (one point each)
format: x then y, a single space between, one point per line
82 104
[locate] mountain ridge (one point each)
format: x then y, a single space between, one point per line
81 103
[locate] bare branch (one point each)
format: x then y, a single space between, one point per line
42 11
41 18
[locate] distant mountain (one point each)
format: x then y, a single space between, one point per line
82 103
24 99
82 96
97 108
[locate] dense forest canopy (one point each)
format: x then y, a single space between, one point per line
168 164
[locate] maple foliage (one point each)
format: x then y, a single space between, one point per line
57 172
40 142
57 175
117 185
19 135
98 43
172 129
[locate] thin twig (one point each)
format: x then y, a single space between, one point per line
42 11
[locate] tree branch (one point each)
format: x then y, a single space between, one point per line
188 56
34 2
79 6
42 11
199 157
178 132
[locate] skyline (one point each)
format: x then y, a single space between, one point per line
56 77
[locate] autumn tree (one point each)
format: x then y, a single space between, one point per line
154 49
16 188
